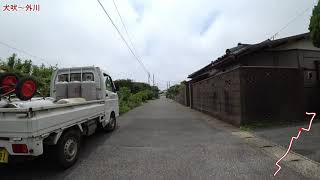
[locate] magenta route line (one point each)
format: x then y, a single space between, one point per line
292 139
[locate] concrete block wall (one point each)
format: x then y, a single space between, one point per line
252 94
181 96
271 94
219 96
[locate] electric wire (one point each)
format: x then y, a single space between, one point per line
24 52
290 22
123 39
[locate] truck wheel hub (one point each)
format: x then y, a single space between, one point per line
70 149
112 122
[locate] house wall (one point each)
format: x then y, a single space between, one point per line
187 94
288 58
310 61
271 94
305 44
181 96
307 60
219 96
280 84
262 58
251 94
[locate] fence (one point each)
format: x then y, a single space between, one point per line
248 94
219 95
181 96
272 94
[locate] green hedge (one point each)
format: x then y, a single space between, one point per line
129 100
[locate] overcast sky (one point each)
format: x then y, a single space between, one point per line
173 37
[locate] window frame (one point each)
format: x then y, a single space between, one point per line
68 78
113 89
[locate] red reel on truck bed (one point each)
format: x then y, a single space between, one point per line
24 88
8 83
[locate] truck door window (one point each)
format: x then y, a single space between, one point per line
108 83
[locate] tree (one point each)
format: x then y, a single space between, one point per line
314 26
174 90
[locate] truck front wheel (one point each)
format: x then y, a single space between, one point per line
68 148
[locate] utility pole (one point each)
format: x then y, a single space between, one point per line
148 78
152 79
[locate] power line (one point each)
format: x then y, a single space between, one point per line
24 52
105 11
290 22
124 26
127 33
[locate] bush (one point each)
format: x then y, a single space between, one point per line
145 95
124 94
132 94
123 107
135 100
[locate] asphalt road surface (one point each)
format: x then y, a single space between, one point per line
159 140
308 144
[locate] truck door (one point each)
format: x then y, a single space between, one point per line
111 96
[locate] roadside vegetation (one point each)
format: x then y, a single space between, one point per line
41 73
133 94
174 90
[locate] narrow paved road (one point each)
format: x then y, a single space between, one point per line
159 140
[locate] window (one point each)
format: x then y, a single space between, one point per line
63 78
75 77
109 83
87 77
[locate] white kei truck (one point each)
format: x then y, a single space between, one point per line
81 101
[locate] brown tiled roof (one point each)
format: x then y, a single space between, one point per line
244 49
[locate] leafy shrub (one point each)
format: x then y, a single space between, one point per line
135 100
132 94
123 107
124 94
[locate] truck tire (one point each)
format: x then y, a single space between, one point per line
111 126
26 88
68 148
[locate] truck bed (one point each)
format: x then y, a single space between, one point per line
33 122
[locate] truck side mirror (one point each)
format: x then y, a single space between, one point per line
116 88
